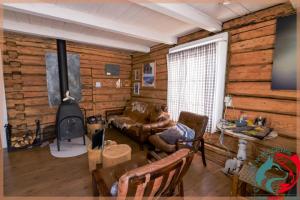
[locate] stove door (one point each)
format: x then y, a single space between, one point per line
71 127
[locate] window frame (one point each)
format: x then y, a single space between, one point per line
221 41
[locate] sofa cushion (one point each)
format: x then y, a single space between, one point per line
155 116
114 189
186 132
178 132
153 112
138 117
156 113
171 135
161 144
137 111
121 121
140 107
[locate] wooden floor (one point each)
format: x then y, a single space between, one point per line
36 173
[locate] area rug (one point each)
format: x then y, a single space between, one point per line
69 149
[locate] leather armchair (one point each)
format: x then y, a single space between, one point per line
138 178
196 122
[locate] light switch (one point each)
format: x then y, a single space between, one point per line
98 84
228 101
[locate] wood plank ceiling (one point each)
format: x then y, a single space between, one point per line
129 25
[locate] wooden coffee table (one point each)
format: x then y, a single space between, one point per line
116 154
95 155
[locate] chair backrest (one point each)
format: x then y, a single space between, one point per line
196 122
156 179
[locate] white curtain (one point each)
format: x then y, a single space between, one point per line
191 81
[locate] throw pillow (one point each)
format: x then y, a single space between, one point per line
171 135
114 189
186 132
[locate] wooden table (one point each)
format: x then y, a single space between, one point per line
116 154
243 141
95 155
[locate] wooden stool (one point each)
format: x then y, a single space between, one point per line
115 154
95 155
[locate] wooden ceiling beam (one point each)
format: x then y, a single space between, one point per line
60 13
185 13
295 4
50 32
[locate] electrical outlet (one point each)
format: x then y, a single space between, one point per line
228 101
98 84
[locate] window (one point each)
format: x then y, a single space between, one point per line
196 78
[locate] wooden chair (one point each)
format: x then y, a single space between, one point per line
157 179
194 121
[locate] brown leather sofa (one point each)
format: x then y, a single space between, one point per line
137 119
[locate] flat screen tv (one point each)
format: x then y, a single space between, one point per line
284 71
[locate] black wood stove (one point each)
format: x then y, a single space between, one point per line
69 117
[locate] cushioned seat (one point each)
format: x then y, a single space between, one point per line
161 144
106 177
194 121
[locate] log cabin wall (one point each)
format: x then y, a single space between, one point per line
251 45
26 85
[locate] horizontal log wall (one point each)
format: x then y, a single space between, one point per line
158 94
26 85
250 71
251 46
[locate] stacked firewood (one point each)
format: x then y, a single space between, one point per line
22 141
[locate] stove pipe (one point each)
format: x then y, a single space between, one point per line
62 67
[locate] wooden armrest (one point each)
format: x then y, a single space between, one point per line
161 128
118 111
185 141
181 143
152 155
157 130
156 127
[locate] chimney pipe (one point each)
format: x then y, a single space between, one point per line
62 67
